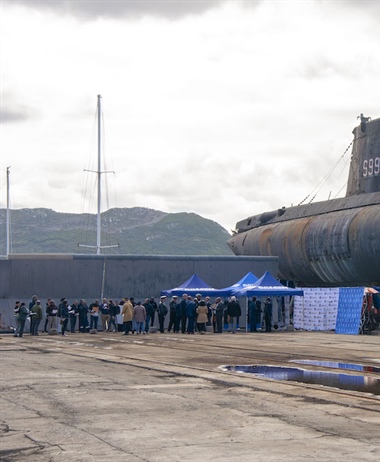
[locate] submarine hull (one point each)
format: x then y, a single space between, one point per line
341 247
329 243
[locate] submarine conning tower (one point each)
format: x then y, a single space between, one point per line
364 175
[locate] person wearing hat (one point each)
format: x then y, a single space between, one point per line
162 312
172 313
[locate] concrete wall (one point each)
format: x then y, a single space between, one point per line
89 277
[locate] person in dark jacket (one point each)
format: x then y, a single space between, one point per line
162 312
83 315
46 316
191 311
16 311
177 317
234 312
172 313
268 314
21 313
183 305
74 313
52 312
105 315
254 310
155 308
65 313
149 314
31 304
114 311
219 315
209 311
37 316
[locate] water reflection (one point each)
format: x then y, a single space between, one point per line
329 379
335 365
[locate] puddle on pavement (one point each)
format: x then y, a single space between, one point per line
335 365
328 379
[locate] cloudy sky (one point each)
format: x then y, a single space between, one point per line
223 108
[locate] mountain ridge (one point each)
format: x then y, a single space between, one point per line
137 230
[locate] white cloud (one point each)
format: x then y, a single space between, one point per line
227 113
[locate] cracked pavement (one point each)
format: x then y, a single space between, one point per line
165 398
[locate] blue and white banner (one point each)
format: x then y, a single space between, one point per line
349 310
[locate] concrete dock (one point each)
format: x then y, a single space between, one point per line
164 397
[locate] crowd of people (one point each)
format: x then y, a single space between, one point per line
186 315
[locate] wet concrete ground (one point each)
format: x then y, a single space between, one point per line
108 397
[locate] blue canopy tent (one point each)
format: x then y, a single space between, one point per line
269 286
245 283
193 286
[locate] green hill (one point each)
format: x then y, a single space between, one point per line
136 230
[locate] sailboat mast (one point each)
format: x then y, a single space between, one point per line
99 172
8 216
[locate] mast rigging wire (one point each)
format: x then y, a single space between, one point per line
322 182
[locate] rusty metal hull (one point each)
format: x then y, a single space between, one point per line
329 243
340 247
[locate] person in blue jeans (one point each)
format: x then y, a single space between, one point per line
94 315
139 315
234 312
37 317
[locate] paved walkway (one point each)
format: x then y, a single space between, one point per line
108 397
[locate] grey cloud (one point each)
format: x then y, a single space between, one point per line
368 5
322 67
13 112
89 9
